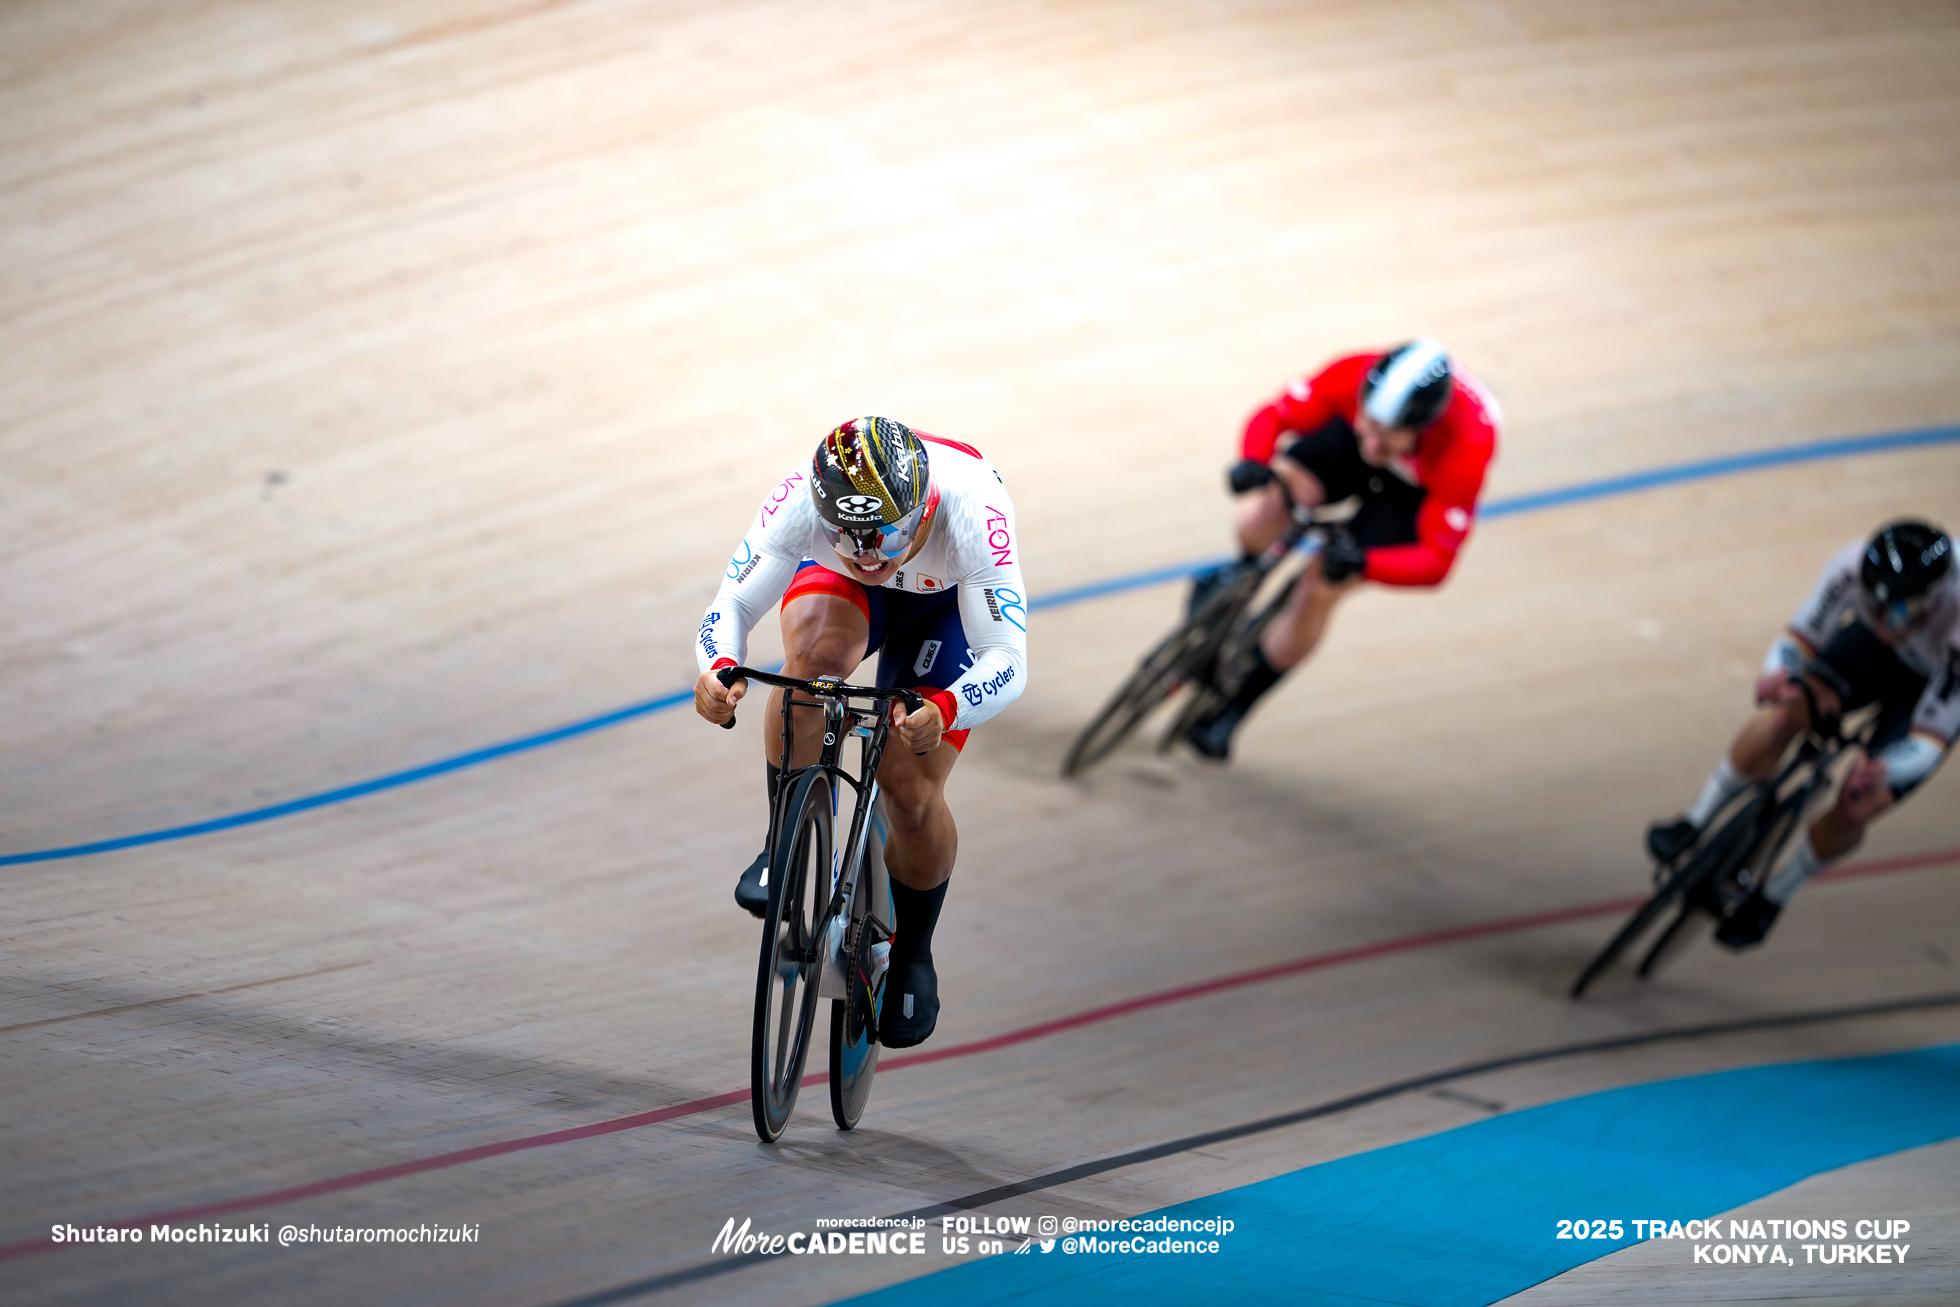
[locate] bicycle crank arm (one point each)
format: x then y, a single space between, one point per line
834 981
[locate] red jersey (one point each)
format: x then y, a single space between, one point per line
1449 461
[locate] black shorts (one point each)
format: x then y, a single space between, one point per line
1387 513
1874 674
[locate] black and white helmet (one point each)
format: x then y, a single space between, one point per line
1408 387
1903 564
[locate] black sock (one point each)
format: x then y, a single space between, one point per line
775 779
917 911
1259 678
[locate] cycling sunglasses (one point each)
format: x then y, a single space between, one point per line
1902 613
888 542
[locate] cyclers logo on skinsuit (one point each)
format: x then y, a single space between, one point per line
1005 604
992 685
707 635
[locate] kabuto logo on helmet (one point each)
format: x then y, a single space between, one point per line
870 471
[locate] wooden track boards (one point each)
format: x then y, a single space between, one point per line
383 384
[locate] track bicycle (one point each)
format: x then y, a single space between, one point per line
828 928
1210 651
1706 882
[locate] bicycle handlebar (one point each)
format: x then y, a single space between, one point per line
1825 726
821 687
1828 674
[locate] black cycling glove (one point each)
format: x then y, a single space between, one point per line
1248 474
1343 557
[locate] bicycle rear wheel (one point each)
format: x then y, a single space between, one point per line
1673 940
800 868
1163 672
854 1020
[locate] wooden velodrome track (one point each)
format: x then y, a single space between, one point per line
383 382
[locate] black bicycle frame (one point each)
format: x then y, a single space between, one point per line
1824 741
1301 522
839 720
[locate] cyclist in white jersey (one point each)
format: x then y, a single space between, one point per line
1882 625
882 546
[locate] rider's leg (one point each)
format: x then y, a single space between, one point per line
1261 517
1831 836
1898 761
923 843
1866 793
1299 627
1324 466
824 634
919 853
1288 639
925 648
1759 745
1753 755
1285 643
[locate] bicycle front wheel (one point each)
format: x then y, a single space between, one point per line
854 1020
1708 861
1717 895
1230 661
1163 672
800 870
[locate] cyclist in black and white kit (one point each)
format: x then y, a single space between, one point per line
874 548
1882 626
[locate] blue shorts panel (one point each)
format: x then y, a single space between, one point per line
919 639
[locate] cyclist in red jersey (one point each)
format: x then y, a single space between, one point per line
1402 432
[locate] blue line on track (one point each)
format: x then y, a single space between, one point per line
1706 469
375 786
1470 1216
1116 585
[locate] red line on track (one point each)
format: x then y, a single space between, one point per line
1094 1016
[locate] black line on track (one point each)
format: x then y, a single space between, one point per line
1083 1170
